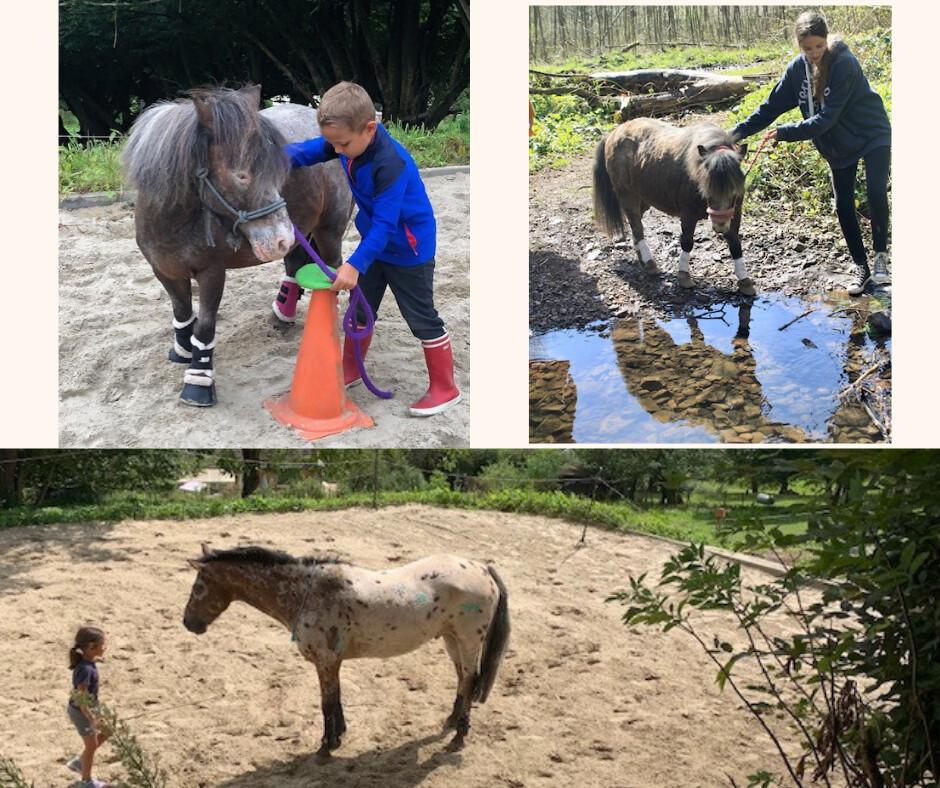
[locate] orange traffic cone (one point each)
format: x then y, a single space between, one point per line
316 405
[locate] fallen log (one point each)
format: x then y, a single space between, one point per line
659 80
650 92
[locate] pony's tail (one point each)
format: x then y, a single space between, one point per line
607 212
497 636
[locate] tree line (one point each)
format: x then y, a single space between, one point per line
412 56
560 32
666 477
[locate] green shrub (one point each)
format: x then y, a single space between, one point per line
11 776
503 475
564 127
859 679
92 168
447 144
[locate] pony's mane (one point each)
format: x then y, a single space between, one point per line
721 169
253 554
167 145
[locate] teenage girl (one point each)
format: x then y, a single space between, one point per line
847 122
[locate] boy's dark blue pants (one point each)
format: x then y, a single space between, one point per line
413 288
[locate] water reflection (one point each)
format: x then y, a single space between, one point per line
728 373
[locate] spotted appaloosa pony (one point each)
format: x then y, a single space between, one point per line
210 175
337 611
692 173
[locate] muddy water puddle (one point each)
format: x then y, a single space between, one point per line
723 373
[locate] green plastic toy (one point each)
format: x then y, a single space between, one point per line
311 277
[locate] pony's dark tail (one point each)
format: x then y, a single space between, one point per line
607 212
497 636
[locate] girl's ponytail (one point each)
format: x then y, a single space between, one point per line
86 636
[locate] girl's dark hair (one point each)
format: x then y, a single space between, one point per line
86 636
812 23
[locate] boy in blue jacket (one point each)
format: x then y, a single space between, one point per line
398 230
846 120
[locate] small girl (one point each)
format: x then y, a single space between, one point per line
83 702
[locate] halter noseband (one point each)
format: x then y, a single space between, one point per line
726 213
202 178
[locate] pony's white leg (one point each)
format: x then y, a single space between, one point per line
745 285
685 276
686 242
635 216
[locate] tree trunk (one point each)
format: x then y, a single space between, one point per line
251 474
9 478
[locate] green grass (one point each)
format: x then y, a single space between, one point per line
672 57
694 522
97 168
448 144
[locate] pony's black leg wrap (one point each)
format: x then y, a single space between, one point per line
182 352
198 383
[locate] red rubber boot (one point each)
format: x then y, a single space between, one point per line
442 391
351 376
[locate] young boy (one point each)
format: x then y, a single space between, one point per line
398 230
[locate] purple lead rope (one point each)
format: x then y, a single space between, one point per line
350 324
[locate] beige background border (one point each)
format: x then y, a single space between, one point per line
499 226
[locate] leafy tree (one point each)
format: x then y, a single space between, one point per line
39 476
115 58
860 683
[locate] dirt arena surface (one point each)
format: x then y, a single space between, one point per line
579 700
116 388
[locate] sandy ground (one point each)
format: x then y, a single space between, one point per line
116 388
580 699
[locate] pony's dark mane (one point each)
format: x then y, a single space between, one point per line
252 554
167 145
721 169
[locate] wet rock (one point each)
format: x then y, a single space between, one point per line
879 323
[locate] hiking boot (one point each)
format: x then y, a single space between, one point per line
880 275
746 287
860 279
442 392
685 279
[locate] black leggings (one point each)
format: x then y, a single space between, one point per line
877 163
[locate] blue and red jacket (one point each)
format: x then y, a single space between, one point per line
395 218
849 122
